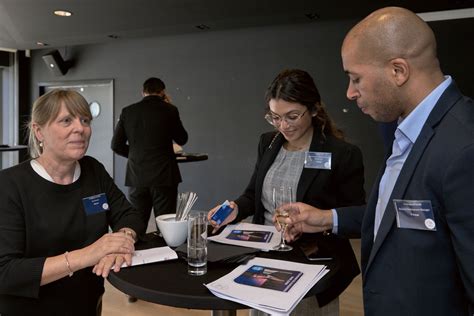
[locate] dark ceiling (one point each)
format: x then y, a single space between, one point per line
23 23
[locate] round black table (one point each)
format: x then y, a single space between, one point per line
168 283
190 157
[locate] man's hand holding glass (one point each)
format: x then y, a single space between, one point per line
304 218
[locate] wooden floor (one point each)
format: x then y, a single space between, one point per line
116 303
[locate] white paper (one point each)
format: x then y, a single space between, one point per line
152 255
271 301
275 240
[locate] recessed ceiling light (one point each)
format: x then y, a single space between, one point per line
62 13
41 44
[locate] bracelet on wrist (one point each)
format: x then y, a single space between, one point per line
129 233
68 265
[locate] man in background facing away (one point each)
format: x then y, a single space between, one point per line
144 134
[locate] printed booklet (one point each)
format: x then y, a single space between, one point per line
272 286
263 237
250 235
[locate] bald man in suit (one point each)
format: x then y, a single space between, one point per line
417 229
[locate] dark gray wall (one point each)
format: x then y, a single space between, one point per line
455 50
217 80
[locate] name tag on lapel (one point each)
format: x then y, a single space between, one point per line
317 160
95 204
415 214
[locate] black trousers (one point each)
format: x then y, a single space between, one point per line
161 199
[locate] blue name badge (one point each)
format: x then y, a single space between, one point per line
317 160
95 204
415 214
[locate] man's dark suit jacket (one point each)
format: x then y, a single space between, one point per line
418 272
145 133
341 186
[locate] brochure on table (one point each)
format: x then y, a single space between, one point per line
263 237
152 255
272 286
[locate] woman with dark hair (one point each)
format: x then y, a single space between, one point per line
55 214
307 152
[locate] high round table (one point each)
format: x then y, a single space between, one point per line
168 283
190 157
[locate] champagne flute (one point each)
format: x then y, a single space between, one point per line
282 196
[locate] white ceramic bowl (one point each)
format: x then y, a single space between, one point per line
174 232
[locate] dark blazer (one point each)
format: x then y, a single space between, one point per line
418 272
341 186
145 133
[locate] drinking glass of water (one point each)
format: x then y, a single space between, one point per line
197 243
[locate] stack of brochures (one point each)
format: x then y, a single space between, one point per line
263 237
272 286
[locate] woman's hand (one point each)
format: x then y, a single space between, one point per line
111 243
232 216
111 249
115 261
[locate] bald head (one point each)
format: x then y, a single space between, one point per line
390 58
394 32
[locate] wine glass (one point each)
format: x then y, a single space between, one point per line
282 195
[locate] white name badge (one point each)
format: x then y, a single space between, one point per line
317 160
415 214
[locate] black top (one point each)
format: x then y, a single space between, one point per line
144 134
343 185
40 219
168 283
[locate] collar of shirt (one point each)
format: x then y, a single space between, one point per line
40 170
411 126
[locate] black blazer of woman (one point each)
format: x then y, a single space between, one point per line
343 185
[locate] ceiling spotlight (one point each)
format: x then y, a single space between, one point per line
202 27
41 44
62 13
312 16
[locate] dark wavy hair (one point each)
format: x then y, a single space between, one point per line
297 86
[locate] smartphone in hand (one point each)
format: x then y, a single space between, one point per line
221 214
